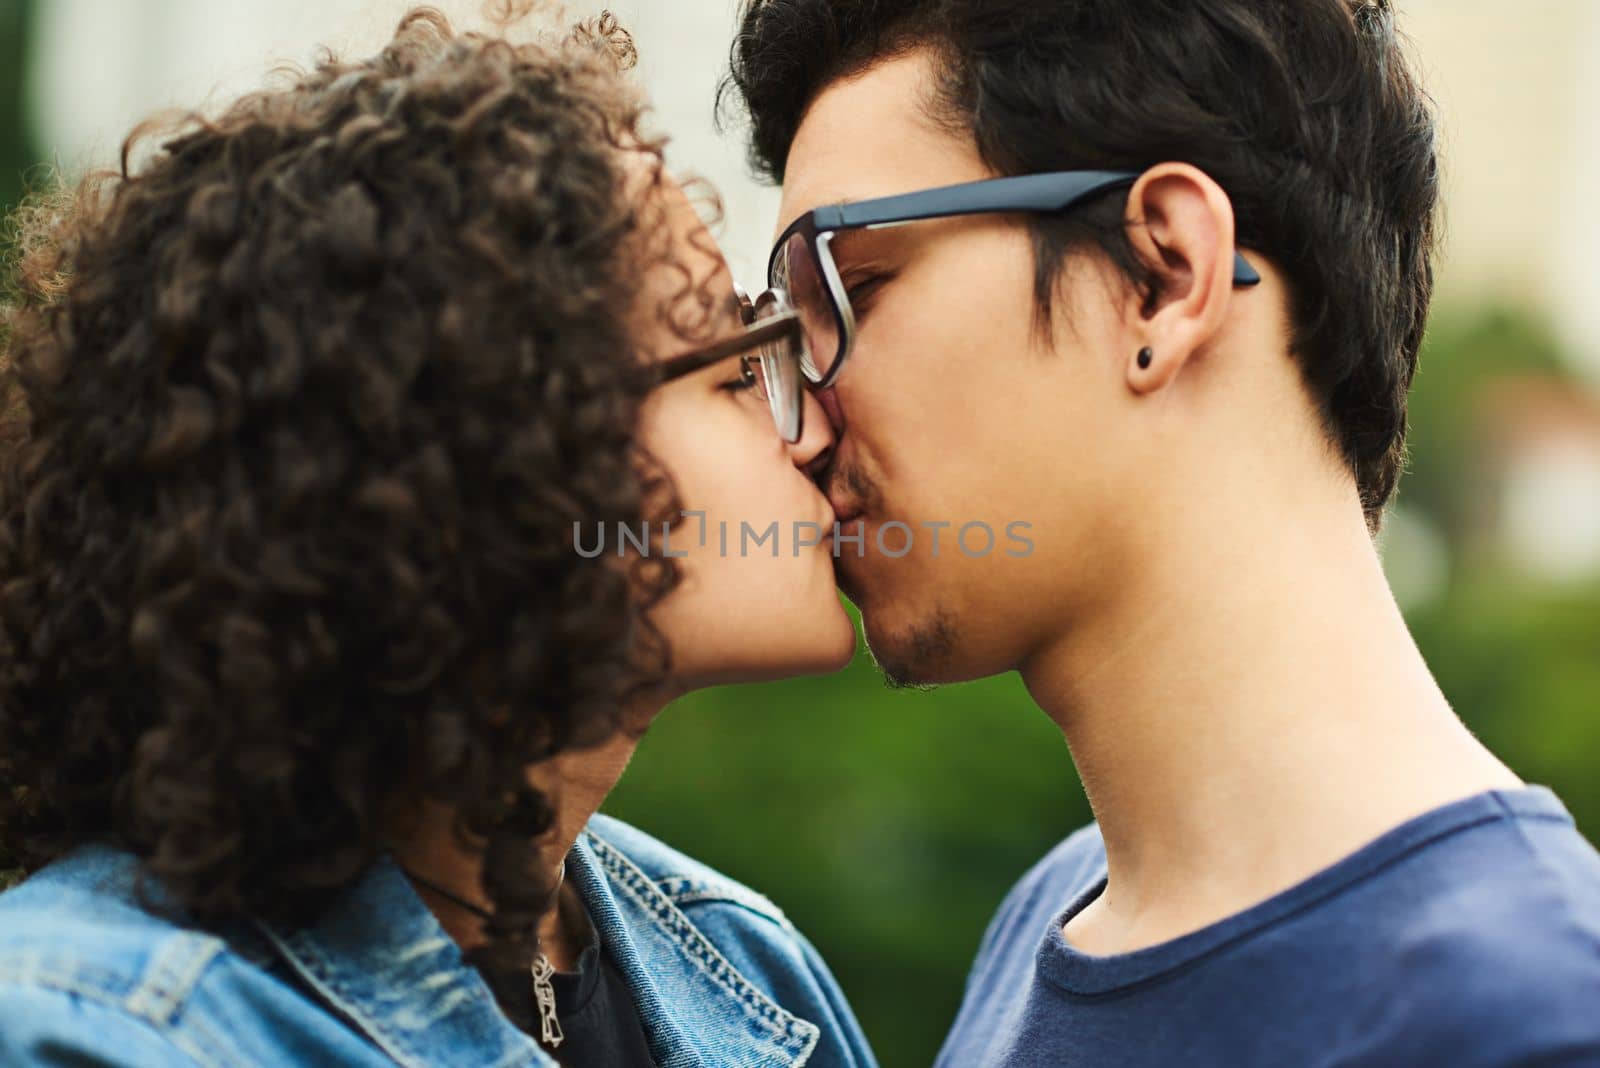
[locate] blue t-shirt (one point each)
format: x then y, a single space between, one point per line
1469 936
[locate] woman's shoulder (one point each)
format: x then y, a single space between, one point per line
85 972
722 957
78 924
91 971
626 850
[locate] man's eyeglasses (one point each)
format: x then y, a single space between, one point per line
802 260
770 351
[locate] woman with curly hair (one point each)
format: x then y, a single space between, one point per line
312 678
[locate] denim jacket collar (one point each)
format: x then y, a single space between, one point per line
698 1010
381 959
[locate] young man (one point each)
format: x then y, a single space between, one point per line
1180 353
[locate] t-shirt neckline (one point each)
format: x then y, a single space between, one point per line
1076 972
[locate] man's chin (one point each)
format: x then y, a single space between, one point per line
917 655
913 646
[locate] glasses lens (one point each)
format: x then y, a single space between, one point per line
797 273
777 369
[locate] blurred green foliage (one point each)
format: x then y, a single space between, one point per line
1462 357
16 146
889 824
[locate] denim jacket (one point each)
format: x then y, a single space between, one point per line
720 976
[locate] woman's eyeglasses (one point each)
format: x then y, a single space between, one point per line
770 352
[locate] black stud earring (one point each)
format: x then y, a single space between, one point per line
1145 356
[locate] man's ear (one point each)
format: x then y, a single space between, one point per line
1180 224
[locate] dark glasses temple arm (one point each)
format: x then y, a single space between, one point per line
763 333
1024 193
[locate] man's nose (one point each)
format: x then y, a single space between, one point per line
815 447
828 399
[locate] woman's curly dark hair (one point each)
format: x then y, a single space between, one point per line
300 416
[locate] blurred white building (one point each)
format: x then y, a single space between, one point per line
1518 88
102 65
1518 91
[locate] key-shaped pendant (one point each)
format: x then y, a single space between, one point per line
544 995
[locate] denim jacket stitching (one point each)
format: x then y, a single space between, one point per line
684 890
171 975
699 949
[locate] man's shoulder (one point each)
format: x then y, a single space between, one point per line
1080 855
1511 932
1514 899
1075 864
1500 973
1011 943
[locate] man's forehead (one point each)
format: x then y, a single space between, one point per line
873 135
821 170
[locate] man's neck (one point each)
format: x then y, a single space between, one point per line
1247 712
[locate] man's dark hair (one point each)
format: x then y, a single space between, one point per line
299 418
1304 111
